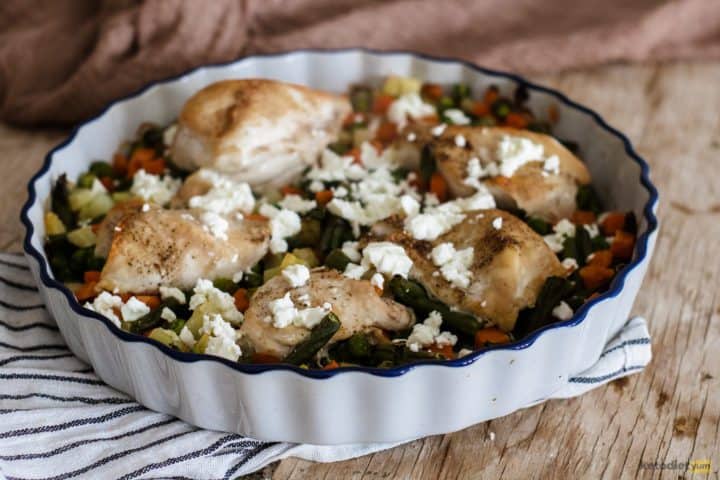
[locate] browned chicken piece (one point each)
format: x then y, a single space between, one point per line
174 248
355 302
263 132
508 268
107 228
550 196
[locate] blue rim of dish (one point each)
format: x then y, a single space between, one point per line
186 357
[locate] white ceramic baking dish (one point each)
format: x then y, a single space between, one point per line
274 402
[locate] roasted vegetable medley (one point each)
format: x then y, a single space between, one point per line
436 220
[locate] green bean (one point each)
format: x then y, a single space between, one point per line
341 148
539 225
86 180
154 319
587 199
101 169
583 244
599 243
554 290
337 259
427 164
462 323
225 284
319 336
309 234
60 204
445 103
460 92
501 108
359 346
361 98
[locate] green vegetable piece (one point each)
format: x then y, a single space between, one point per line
341 148
501 108
86 180
583 244
445 103
587 199
82 237
165 336
539 225
337 259
427 164
539 127
359 346
318 338
309 235
460 92
361 98
599 243
102 169
554 290
59 202
225 284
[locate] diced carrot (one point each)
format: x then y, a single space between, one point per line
355 153
323 196
490 335
91 276
601 258
352 118
491 94
332 365
386 132
152 301
155 166
124 297
86 291
381 104
255 217
595 276
480 109
445 350
516 120
241 299
431 91
553 113
582 217
290 190
438 186
138 159
265 358
622 245
120 164
612 223
108 183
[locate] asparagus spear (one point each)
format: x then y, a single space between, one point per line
319 336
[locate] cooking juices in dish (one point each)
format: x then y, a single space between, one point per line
277 224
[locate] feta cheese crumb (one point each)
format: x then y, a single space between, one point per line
283 223
187 337
350 249
215 224
284 313
106 304
408 105
214 300
562 311
570 264
454 264
497 223
427 333
562 230
552 165
297 275
438 129
145 207
221 341
172 292
388 258
225 195
238 276
168 315
460 141
456 116
153 188
411 137
133 310
377 281
297 204
513 152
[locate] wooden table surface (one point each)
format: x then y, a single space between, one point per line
669 412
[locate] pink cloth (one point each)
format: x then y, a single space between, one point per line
63 60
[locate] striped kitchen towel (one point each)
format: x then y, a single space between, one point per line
60 421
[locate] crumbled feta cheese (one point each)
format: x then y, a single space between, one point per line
221 341
153 188
145 207
454 264
284 313
562 230
105 304
169 134
297 275
297 204
133 310
187 337
562 311
215 224
172 292
283 223
497 223
460 141
513 152
339 192
238 276
430 225
388 258
409 205
456 116
316 186
408 105
438 130
552 165
377 281
411 137
354 271
592 229
214 300
350 249
570 263
224 196
167 314
427 333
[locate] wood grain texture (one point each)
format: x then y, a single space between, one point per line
670 411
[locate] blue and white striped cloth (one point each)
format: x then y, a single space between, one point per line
59 421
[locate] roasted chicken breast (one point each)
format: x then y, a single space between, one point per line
263 132
355 302
175 248
508 266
